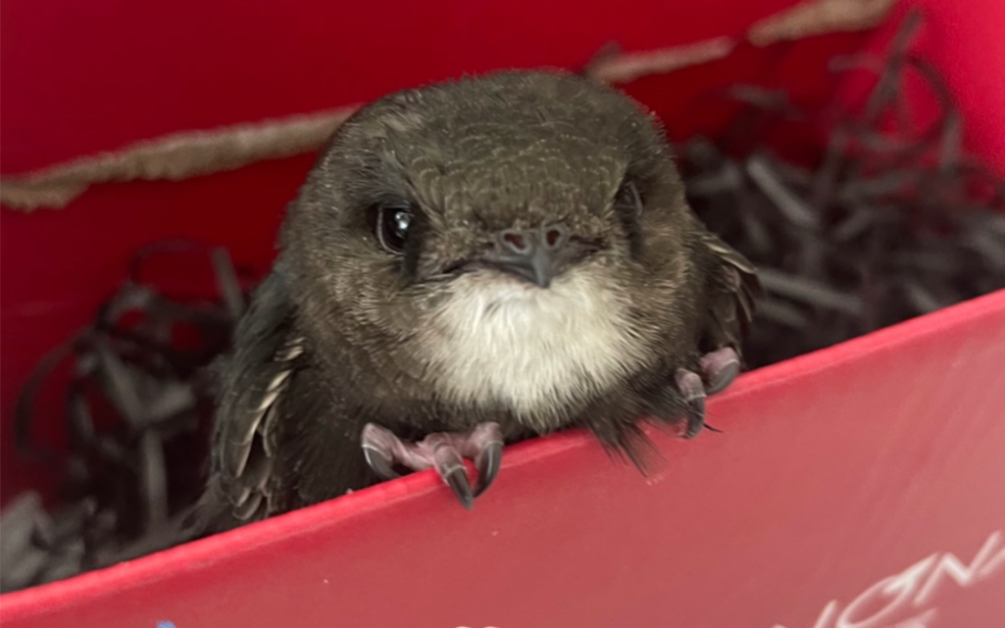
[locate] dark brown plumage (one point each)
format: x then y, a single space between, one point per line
513 250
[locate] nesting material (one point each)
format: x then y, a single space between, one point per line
893 222
139 406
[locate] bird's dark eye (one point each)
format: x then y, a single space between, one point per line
393 223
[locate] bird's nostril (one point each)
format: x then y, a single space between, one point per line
554 236
515 241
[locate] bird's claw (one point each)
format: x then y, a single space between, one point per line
379 445
444 451
718 368
450 465
487 443
693 390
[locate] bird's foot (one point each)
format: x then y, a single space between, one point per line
718 370
444 451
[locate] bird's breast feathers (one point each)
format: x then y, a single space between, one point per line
496 341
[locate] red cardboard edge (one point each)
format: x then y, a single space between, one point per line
330 516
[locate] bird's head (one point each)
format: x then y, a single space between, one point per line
515 236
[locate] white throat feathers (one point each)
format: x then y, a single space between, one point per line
499 341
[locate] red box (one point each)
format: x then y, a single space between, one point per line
860 486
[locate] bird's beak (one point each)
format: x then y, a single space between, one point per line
536 266
534 255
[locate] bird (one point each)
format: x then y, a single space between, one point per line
470 263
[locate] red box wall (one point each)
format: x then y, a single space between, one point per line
836 471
